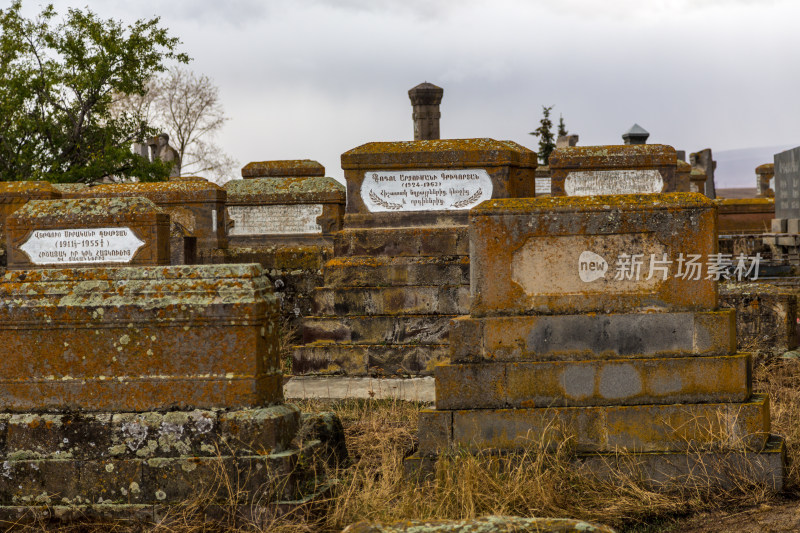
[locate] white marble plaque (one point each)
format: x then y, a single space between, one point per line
425 190
594 182
542 186
275 219
89 245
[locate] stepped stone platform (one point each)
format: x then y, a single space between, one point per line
635 369
135 387
400 266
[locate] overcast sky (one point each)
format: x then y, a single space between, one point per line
315 78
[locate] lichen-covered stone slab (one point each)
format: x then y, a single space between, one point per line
138 338
283 168
601 429
198 205
592 336
564 255
594 382
745 215
613 169
88 231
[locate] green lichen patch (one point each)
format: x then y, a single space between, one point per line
613 156
83 210
621 202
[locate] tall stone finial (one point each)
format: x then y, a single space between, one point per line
636 135
425 100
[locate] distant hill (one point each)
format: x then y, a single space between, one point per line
737 168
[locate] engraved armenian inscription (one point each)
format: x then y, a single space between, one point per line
425 190
275 219
90 245
594 182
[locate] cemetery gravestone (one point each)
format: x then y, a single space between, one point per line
400 269
626 169
587 324
131 386
697 181
95 231
787 184
285 224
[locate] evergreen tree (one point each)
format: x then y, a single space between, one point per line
545 133
562 129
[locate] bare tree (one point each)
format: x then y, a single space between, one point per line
186 107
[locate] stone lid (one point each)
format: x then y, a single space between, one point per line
745 205
438 153
161 192
27 189
283 168
528 158
624 156
80 211
304 190
426 94
69 187
766 168
153 286
189 178
566 204
683 167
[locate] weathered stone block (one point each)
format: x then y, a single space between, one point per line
617 169
402 242
643 428
396 271
415 300
778 225
367 359
745 215
403 329
283 168
592 336
88 231
766 315
594 382
569 255
138 338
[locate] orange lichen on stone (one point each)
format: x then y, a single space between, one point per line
766 168
613 156
294 190
441 153
283 168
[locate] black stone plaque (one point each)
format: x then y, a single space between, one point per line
787 184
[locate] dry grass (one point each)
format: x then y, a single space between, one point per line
380 433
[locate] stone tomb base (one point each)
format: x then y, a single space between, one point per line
129 461
143 386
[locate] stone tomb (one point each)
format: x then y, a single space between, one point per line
196 204
620 169
135 386
92 231
764 175
588 325
292 209
400 269
785 239
286 225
